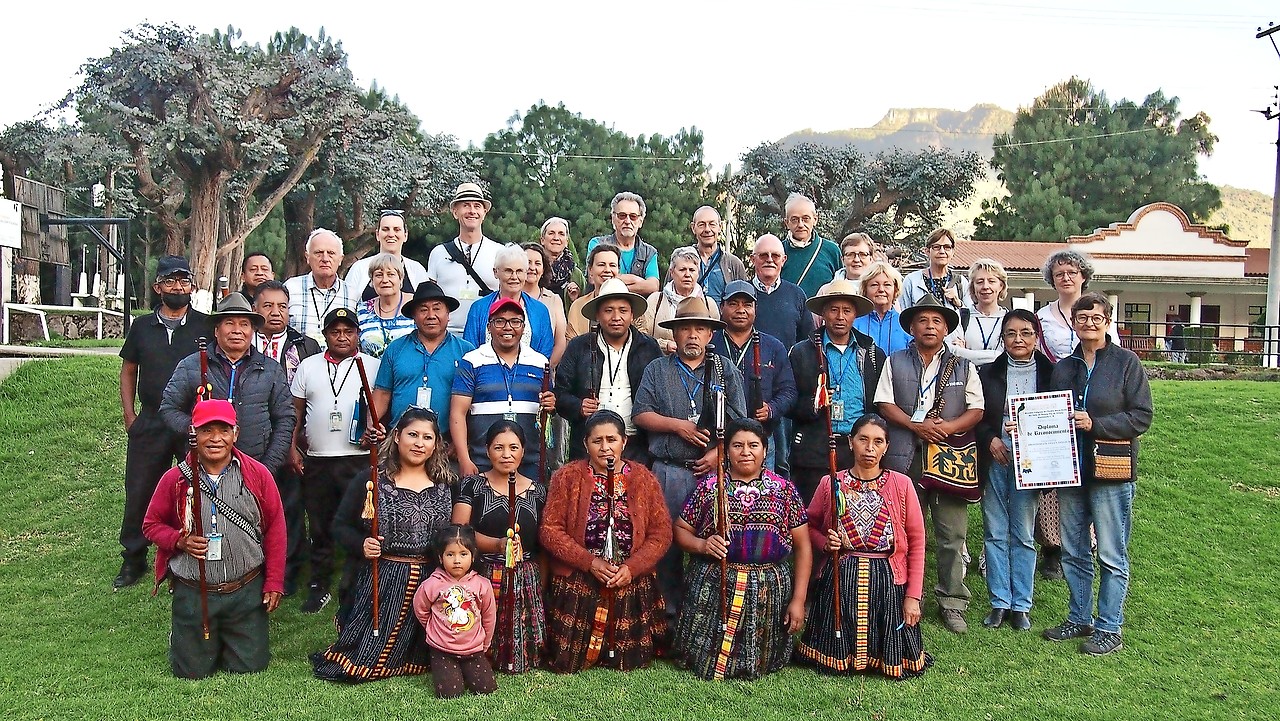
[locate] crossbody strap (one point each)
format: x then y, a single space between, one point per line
461 259
223 507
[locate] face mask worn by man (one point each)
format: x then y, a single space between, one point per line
175 301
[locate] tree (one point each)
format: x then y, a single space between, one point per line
896 195
553 162
218 130
1075 161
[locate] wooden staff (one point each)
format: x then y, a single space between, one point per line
544 419
610 554
197 521
722 494
371 486
758 395
509 573
835 484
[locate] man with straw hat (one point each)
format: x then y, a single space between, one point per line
908 389
676 404
603 368
853 364
254 384
464 266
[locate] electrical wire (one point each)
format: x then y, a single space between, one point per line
1078 137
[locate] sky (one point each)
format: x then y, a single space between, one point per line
741 72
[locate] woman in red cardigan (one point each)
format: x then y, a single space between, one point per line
604 607
879 533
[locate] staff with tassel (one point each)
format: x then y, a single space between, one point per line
370 512
194 523
821 401
722 494
610 554
509 574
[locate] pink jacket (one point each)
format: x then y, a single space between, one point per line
907 560
163 523
459 616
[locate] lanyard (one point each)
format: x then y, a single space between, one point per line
428 356
711 265
608 359
697 384
231 379
847 359
311 293
470 250
924 389
213 507
1088 376
331 369
1072 331
742 355
938 292
986 337
509 377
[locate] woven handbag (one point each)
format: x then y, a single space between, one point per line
951 466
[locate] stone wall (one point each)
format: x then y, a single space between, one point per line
25 327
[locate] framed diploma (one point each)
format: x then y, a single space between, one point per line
1044 441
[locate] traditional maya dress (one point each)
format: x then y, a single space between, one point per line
762 515
489 516
588 625
407 520
872 523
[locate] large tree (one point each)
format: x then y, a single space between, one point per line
218 131
896 195
1075 161
553 162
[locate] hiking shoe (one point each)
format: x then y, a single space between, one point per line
1102 643
953 620
130 573
1066 630
317 599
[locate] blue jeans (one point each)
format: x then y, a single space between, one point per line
1008 520
1109 507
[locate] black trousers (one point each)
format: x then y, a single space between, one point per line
152 450
807 478
238 640
324 481
295 523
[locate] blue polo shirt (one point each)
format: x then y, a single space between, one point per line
406 362
845 380
497 389
887 332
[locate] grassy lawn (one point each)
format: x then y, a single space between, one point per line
1201 637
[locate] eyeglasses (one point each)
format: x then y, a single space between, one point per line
628 216
507 322
1023 334
385 213
806 219
174 283
943 246
1064 274
428 412
512 271
707 224
1091 319
857 254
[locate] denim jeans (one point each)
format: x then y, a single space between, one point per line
1109 507
1008 520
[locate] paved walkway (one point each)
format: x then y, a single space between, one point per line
12 356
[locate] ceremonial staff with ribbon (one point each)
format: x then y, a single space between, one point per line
370 512
509 577
822 403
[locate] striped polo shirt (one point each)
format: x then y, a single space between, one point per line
497 389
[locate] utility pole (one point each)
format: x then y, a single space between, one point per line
1272 112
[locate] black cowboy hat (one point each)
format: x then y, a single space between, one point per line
428 290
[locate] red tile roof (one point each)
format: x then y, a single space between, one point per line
1014 255
1256 261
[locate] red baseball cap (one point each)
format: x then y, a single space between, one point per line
502 304
213 411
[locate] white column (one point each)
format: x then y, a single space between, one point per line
1196 299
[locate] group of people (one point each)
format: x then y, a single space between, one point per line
748 459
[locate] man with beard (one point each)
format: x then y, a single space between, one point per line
811 259
313 295
418 369
153 348
500 380
286 346
391 236
676 404
464 266
854 364
639 260
239 373
254 271
761 358
603 369
326 397
602 264
907 391
717 266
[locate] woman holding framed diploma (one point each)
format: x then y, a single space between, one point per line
1113 407
1009 514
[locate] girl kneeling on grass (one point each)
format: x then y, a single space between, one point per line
456 607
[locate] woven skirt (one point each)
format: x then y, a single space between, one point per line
519 651
621 630
873 635
755 642
400 647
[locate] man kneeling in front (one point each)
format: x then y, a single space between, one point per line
218 525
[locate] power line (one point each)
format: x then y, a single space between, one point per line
580 157
1075 138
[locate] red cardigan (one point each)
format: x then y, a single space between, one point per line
564 519
164 520
907 560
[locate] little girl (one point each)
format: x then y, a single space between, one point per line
456 607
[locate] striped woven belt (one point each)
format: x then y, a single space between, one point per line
402 559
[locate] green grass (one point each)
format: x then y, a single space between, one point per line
1201 637
59 342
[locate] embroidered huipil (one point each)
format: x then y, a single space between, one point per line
865 519
762 513
598 515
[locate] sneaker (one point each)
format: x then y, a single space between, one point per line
1102 643
953 620
317 599
130 573
1066 630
